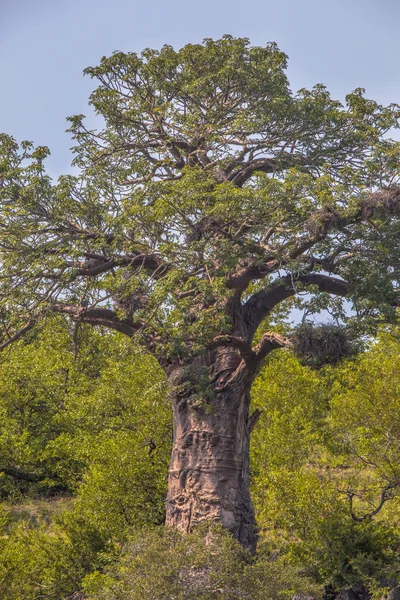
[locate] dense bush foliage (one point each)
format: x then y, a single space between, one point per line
206 564
85 437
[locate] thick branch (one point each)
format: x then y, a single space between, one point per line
325 283
269 342
100 264
243 276
284 160
17 473
99 316
253 357
236 342
19 334
263 165
260 304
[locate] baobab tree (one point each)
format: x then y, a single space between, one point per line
209 197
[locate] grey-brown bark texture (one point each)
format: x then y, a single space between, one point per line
209 472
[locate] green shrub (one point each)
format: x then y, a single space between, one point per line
205 565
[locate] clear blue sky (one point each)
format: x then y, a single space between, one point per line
45 45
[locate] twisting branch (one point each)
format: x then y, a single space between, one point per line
243 276
260 304
98 264
239 343
243 174
283 160
99 316
106 317
252 357
19 334
386 494
269 342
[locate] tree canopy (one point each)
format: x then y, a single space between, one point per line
208 183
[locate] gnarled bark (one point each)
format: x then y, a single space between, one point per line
209 472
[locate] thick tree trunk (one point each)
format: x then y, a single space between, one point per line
209 472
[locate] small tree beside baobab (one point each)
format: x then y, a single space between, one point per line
210 197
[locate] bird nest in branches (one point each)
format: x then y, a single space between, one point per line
385 201
319 345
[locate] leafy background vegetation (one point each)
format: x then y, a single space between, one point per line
85 436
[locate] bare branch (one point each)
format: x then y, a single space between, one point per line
284 160
325 283
386 494
264 165
269 342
